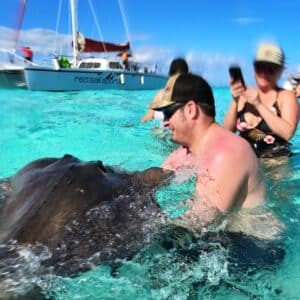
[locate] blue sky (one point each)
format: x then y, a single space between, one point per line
209 34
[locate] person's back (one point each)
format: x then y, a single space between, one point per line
239 174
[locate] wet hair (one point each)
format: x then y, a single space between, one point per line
193 87
178 66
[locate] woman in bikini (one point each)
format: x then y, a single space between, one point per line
266 116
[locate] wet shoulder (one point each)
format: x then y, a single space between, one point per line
231 143
230 149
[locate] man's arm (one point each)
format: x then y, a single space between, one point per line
224 183
148 116
218 189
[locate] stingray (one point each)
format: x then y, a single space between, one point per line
84 212
88 214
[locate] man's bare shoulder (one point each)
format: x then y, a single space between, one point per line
229 154
226 145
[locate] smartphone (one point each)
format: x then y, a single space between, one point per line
236 74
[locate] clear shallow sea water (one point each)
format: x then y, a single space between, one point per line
104 125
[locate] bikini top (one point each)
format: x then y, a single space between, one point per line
261 136
262 125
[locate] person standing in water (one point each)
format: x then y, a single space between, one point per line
266 115
228 175
177 66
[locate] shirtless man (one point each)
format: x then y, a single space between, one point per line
227 171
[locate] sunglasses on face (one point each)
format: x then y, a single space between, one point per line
169 111
267 68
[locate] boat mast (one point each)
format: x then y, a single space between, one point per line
19 23
73 4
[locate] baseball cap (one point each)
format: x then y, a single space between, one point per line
183 88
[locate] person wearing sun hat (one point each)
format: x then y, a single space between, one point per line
207 150
270 53
266 115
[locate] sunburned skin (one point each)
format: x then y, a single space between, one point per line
201 212
180 159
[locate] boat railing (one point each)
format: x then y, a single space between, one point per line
10 57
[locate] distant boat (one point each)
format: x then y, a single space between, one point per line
93 73
11 64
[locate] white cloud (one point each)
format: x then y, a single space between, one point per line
140 37
247 20
212 66
42 41
7 36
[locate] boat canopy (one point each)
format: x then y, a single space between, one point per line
89 45
99 46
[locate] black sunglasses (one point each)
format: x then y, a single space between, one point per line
264 67
169 111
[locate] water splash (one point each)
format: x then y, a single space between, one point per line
20 267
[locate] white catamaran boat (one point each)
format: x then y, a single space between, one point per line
92 73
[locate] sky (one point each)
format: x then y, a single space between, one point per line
210 35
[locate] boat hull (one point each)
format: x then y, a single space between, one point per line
12 78
46 79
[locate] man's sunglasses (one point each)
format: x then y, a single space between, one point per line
264 67
169 111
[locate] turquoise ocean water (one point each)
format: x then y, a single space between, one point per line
104 125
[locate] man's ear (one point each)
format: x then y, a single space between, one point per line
192 109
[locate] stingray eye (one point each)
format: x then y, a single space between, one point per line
100 166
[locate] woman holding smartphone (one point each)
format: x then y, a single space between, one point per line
266 116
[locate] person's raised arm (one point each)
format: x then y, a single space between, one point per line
148 116
223 183
218 189
235 106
